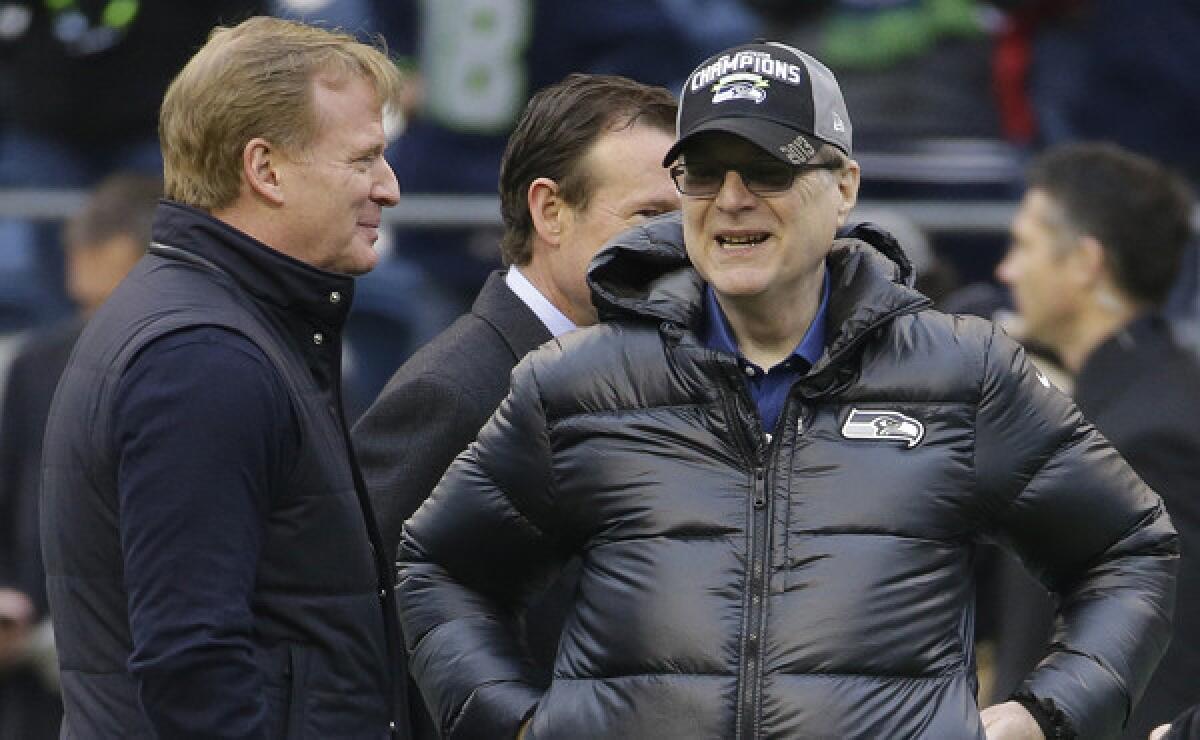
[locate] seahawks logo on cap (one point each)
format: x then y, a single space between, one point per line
740 86
882 424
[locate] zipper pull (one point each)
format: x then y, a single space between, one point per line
801 415
760 497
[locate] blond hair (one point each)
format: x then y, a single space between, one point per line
255 79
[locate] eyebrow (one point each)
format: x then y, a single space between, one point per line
375 150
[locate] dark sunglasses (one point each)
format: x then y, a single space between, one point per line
701 179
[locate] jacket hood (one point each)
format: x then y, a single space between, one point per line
645 274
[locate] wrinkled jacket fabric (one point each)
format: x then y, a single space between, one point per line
790 583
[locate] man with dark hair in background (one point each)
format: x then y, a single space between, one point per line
581 166
1097 243
474 66
103 242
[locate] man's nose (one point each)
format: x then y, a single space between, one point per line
386 190
734 195
1005 269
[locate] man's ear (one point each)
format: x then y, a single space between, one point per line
1091 261
547 209
260 170
847 182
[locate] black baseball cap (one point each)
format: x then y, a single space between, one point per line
769 93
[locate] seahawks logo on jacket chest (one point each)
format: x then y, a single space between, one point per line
883 424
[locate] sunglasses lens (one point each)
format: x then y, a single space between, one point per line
704 179
767 177
701 178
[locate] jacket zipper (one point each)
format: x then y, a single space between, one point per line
385 571
757 588
750 667
758 585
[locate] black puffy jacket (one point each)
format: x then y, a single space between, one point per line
813 582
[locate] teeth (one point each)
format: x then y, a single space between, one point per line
741 241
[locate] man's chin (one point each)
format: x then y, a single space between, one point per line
361 262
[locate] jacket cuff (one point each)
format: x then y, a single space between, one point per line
1053 723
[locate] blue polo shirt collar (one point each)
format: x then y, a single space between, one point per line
717 333
769 390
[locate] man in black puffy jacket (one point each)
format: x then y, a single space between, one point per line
775 460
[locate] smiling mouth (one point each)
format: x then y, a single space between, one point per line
741 241
371 232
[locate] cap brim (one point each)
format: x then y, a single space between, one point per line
766 134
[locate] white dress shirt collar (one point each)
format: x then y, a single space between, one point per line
555 320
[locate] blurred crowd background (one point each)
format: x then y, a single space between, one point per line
949 100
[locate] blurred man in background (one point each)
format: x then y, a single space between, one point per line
80 84
1096 245
103 242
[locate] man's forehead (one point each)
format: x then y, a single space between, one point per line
616 156
1042 207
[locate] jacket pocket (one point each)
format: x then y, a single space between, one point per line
286 692
299 660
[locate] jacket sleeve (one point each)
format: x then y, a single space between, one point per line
468 559
407 439
1094 534
204 431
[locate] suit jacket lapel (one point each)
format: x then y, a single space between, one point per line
515 322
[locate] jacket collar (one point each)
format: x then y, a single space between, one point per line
1107 372
266 274
644 274
517 324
